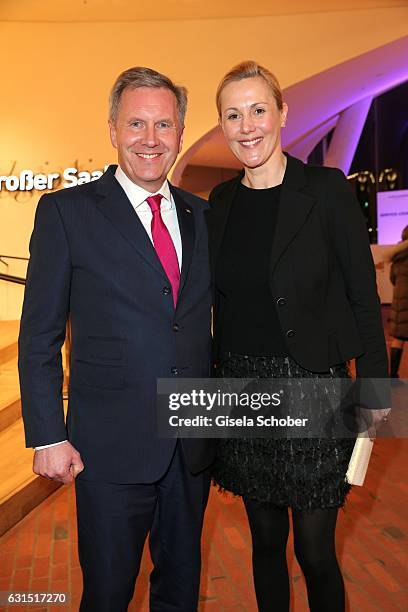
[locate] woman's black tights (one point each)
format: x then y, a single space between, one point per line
314 534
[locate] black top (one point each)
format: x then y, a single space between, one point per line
248 320
321 270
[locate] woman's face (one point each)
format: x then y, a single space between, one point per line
251 120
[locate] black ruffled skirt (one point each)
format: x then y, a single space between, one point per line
301 473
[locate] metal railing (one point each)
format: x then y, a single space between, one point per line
19 280
14 257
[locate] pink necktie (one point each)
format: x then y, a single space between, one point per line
164 245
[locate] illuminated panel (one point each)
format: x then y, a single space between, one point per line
392 215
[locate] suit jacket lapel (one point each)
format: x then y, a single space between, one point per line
115 205
295 205
187 231
217 218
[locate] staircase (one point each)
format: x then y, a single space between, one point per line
20 489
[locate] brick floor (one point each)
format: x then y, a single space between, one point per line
39 554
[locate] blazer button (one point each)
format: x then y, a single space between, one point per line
166 290
290 333
176 327
174 371
281 301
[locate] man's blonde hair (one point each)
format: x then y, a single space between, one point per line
139 76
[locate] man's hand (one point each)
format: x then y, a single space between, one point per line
61 463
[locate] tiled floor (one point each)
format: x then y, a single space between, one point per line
39 554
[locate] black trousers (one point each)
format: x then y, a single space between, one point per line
113 523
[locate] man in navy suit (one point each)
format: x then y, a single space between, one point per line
124 258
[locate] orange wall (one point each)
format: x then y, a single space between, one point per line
56 78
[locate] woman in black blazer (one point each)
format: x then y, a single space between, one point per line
294 296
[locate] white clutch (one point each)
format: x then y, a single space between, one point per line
359 460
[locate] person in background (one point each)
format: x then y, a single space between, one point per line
399 307
294 297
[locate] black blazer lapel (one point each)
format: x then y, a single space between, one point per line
115 205
217 217
295 205
187 231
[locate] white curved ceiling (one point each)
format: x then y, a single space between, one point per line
146 10
315 104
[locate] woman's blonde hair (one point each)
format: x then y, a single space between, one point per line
246 70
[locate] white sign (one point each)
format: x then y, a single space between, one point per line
392 215
27 180
382 268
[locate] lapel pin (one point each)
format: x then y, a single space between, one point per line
188 210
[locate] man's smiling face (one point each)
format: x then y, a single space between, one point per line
147 134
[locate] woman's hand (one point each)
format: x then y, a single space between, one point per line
373 419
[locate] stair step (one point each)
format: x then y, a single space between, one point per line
10 413
8 340
20 489
10 405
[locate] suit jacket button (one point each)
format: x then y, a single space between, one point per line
166 290
176 327
290 333
281 301
174 371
